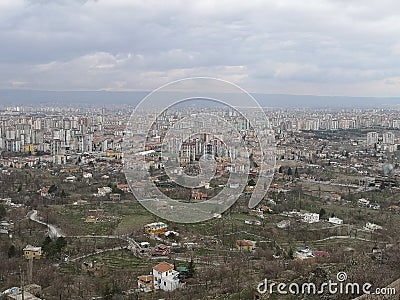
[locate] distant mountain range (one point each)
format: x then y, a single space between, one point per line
106 98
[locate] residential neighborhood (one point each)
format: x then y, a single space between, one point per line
69 209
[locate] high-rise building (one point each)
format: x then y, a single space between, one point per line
372 138
388 138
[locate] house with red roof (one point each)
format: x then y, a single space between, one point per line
165 277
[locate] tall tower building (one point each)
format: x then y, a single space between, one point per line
388 138
372 138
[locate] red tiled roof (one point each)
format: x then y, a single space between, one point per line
162 246
321 253
265 208
244 243
122 186
163 267
145 278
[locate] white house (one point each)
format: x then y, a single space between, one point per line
252 222
303 254
283 224
104 190
87 175
372 227
70 179
335 220
165 277
363 202
311 217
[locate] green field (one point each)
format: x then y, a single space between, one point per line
120 218
122 260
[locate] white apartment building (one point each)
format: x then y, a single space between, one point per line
372 138
388 138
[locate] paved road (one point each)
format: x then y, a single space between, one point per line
339 237
54 232
132 246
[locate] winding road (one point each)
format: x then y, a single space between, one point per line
54 232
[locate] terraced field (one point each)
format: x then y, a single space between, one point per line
125 260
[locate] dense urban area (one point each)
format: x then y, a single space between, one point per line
71 228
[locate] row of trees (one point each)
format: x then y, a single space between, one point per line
53 248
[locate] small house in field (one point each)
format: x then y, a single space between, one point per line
123 187
94 268
372 227
335 220
103 191
44 191
305 254
283 224
311 218
199 196
87 175
32 252
335 197
161 250
91 219
321 254
156 228
145 283
245 245
266 209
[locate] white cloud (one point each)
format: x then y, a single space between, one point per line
294 70
395 49
317 46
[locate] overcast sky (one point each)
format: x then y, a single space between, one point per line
321 47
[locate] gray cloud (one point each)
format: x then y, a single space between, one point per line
317 46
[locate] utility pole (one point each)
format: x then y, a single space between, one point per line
22 284
30 270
